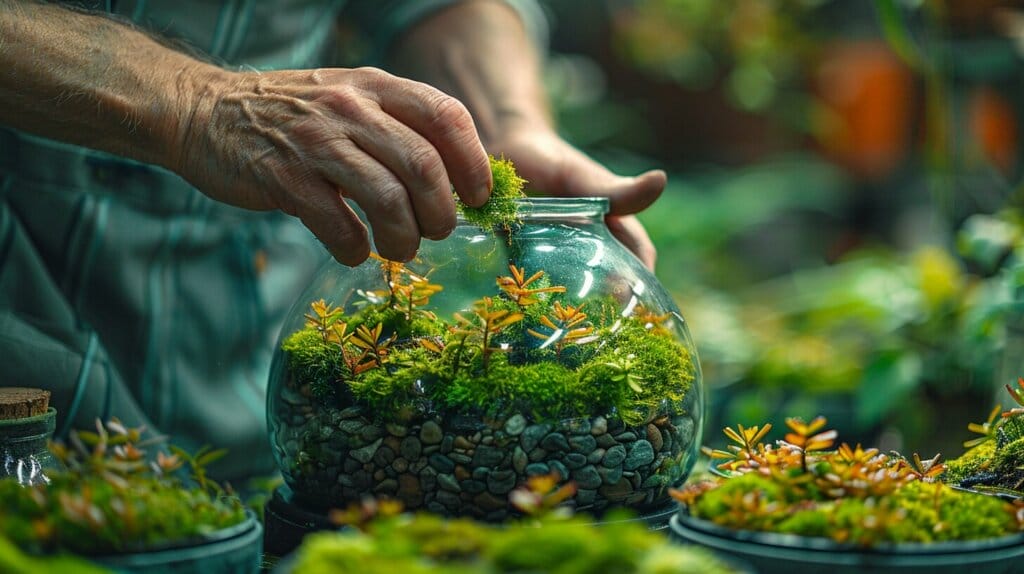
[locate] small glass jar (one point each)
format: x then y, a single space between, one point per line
24 452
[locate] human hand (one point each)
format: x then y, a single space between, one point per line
301 141
554 167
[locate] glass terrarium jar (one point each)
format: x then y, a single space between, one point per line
24 448
543 347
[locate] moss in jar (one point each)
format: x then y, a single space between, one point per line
994 461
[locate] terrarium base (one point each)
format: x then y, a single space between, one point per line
287 522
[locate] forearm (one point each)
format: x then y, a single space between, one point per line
89 80
479 51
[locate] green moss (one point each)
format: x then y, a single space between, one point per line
975 460
501 209
425 544
314 361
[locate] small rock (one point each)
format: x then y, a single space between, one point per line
489 502
654 437
460 458
475 439
481 473
616 492
587 477
365 454
575 460
585 496
625 437
448 482
436 507
515 425
428 479
410 448
537 469
441 463
449 499
393 442
461 473
350 465
370 433
576 426
349 413
582 443
532 436
655 481
389 486
501 481
599 426
447 444
610 475
557 466
538 454
351 427
684 431
400 465
555 442
379 475
463 443
614 456
596 456
473 486
488 456
640 453
384 457
431 433
396 429
431 449
519 460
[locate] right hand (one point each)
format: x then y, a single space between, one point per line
301 141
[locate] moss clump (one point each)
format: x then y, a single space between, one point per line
850 495
994 462
501 209
426 544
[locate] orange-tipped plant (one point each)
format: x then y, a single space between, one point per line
517 286
568 327
483 325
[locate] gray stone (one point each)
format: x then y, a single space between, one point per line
515 425
599 426
587 477
488 456
557 466
410 448
596 456
428 479
536 469
473 486
655 481
350 413
400 465
463 443
460 458
350 465
351 427
481 473
365 454
429 450
370 433
431 433
397 429
684 430
625 437
576 426
582 443
606 441
654 437
387 486
532 436
519 460
616 492
610 475
447 444
384 456
489 502
442 463
555 442
575 460
436 507
538 454
640 453
614 456
449 499
501 481
585 496
448 482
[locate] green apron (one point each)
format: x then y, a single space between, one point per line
128 293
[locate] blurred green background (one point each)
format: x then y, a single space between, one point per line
841 227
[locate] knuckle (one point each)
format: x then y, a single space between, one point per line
450 115
426 165
390 200
346 102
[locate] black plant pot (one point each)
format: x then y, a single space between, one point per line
237 548
772 553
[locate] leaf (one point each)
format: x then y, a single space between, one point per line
210 457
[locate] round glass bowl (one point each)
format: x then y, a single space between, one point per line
496 355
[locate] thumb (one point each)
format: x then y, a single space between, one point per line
626 195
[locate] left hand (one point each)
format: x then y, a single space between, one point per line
554 167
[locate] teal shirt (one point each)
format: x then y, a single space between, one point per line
128 293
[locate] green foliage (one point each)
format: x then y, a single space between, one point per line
995 460
110 499
14 561
426 544
314 361
851 495
501 210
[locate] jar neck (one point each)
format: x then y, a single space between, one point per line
39 427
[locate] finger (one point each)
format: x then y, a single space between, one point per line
417 164
446 124
632 234
626 195
381 196
332 221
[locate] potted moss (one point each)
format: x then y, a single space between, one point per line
114 507
381 540
528 342
795 506
994 461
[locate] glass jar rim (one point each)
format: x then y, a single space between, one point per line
548 208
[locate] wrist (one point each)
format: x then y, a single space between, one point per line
185 127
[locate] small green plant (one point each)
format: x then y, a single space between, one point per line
994 461
851 494
483 326
111 499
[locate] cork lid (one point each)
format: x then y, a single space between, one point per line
22 402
